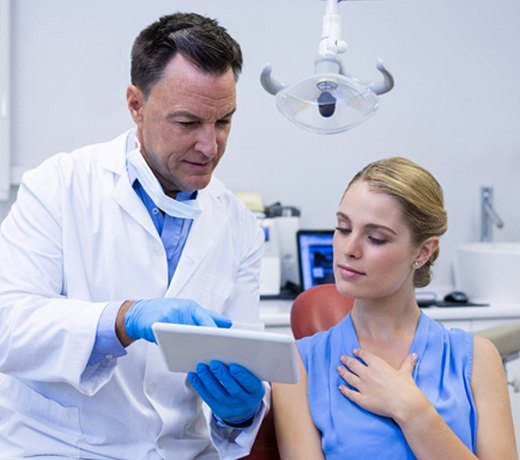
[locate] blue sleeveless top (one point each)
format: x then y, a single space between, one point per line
442 372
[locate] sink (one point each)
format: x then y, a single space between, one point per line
489 272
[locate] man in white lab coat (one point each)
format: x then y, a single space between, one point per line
106 240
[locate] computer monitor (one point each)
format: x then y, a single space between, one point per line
315 257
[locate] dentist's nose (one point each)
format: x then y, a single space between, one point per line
207 141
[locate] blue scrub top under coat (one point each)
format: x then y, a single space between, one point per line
174 231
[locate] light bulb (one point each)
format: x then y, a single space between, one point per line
326 104
326 101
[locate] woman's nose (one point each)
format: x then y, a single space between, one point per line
351 246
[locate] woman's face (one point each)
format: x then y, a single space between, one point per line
373 249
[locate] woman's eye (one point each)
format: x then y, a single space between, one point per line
343 230
376 241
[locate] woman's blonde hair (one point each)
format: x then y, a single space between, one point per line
420 197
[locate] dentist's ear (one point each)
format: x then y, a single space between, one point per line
135 102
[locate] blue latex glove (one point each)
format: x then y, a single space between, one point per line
232 392
143 313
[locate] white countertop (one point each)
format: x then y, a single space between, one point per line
276 312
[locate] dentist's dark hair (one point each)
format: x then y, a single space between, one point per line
201 40
421 199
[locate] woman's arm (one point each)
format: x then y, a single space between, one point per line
296 433
495 434
392 393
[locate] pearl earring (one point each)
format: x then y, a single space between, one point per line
416 263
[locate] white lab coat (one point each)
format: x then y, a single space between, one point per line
78 237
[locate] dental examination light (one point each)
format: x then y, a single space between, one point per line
330 101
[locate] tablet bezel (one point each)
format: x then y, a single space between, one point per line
270 356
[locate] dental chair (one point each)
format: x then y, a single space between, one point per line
318 309
321 307
315 309
265 447
506 338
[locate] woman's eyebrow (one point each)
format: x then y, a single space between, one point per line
343 216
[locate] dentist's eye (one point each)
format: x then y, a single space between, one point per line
224 123
187 124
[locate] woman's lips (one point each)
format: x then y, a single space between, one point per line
347 272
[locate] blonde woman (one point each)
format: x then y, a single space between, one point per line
388 382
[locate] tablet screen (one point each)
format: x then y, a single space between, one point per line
271 357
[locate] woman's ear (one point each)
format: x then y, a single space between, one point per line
427 248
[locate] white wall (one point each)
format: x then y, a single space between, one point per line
455 107
5 162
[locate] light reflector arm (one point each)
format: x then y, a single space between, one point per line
329 101
271 85
330 43
384 86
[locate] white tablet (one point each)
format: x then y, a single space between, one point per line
271 357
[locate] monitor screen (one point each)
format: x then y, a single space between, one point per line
315 257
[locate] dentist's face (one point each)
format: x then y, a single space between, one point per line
184 123
373 249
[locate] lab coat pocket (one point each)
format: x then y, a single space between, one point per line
216 292
43 418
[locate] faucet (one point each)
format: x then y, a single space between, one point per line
488 215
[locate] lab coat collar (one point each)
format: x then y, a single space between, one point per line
204 230
114 160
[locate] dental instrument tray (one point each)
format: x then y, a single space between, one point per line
270 356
